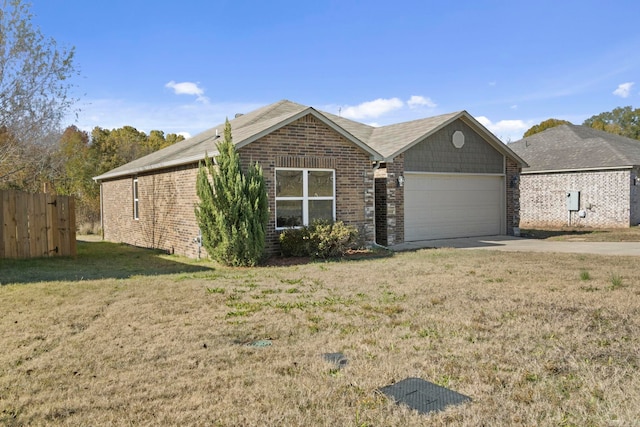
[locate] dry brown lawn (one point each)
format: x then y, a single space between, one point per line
534 339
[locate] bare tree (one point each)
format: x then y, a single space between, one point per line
34 84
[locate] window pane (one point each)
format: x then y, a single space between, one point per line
288 183
320 183
320 209
289 213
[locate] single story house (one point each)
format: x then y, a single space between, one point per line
438 177
579 176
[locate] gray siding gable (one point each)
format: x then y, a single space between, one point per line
437 154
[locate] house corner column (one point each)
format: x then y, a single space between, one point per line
513 197
395 202
369 206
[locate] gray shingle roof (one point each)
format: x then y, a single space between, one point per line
393 139
382 143
572 147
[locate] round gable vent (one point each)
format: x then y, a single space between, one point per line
457 139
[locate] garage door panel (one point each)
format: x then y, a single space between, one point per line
449 206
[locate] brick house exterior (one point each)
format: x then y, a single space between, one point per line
151 201
597 168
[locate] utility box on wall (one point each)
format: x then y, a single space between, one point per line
573 200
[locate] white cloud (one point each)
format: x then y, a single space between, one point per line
506 130
187 88
372 109
624 89
420 101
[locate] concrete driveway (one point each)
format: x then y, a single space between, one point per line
518 244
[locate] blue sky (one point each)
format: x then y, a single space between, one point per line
183 66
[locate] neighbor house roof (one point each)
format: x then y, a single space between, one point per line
381 143
572 147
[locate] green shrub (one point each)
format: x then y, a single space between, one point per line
321 239
295 242
233 210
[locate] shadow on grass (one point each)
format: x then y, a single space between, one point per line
547 234
95 260
355 255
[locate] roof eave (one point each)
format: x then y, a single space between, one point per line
156 166
601 168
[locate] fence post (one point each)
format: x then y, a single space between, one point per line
63 226
38 225
2 226
22 224
71 215
52 225
10 224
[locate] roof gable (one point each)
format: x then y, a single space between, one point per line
245 129
395 139
572 147
381 143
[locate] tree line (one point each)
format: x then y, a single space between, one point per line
66 162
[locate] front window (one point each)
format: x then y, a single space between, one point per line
304 195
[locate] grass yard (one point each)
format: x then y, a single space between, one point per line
125 336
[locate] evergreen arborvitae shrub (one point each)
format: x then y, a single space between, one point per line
233 209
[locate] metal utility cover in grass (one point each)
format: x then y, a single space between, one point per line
338 359
422 395
260 343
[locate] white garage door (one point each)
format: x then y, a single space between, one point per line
448 206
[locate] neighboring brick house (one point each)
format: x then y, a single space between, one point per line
579 176
319 165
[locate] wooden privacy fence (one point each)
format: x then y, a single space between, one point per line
36 225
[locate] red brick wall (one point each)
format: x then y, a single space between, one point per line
167 198
166 221
309 143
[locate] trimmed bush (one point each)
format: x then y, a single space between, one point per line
321 239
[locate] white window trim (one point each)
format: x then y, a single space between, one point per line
136 199
305 194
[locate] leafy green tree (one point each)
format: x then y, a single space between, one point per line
233 209
116 147
623 121
547 124
77 166
157 141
